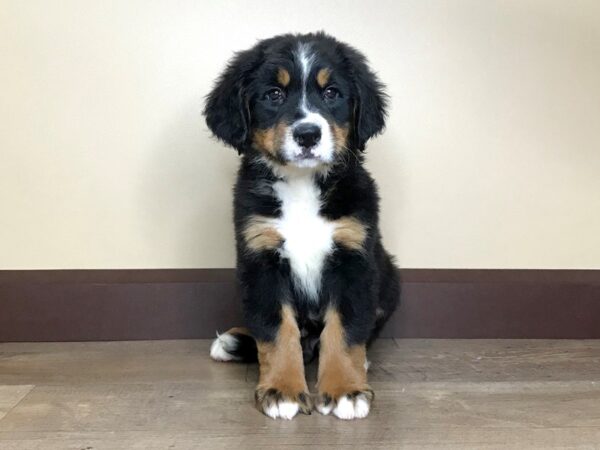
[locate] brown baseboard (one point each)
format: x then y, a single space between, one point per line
86 305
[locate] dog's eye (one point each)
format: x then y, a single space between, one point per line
331 93
275 95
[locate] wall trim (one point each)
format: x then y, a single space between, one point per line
131 304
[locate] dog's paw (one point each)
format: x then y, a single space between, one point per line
355 405
277 405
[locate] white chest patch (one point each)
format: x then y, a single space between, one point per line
308 236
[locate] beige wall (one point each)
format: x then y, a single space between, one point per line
491 157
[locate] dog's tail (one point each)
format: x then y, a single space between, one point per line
235 344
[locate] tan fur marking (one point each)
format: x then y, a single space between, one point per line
281 364
341 368
323 77
264 140
269 140
340 137
260 234
281 368
239 330
283 77
350 233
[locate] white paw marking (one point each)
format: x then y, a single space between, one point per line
344 409
325 409
347 408
361 407
284 410
222 346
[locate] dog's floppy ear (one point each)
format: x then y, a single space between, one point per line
226 110
370 101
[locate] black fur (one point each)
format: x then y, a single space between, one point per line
362 285
243 348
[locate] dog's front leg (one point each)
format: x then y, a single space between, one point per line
282 390
342 382
349 320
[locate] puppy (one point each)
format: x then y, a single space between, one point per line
313 273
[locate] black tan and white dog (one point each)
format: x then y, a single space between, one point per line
314 276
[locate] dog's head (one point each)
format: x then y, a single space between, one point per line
300 100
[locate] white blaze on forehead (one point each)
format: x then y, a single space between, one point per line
306 58
323 151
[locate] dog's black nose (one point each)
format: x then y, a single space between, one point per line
307 135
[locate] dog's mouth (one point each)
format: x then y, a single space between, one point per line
307 157
307 153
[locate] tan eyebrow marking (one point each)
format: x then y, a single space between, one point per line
283 77
323 77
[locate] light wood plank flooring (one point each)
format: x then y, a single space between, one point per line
448 394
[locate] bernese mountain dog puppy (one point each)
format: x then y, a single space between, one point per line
314 276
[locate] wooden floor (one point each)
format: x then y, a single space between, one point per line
450 394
